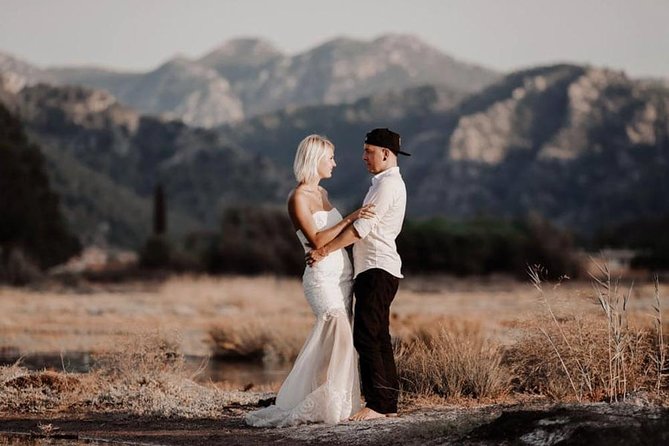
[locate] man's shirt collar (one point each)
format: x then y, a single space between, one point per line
386 173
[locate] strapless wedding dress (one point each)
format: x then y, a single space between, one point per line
323 385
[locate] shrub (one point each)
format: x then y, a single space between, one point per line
458 361
255 240
269 341
484 246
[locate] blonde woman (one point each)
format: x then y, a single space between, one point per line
323 385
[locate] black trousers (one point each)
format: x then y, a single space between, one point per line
374 291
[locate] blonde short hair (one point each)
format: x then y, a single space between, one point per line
309 154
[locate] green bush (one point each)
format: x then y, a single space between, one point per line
649 237
484 246
255 240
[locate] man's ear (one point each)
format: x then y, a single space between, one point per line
385 154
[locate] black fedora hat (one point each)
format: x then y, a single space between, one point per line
385 138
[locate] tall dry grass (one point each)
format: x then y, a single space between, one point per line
660 359
589 351
451 361
590 357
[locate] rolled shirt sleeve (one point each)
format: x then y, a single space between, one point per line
382 198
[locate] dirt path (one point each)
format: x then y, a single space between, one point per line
596 424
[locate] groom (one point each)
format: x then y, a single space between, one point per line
377 272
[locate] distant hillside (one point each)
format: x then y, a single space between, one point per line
178 89
16 73
583 146
277 135
31 217
98 209
106 160
343 70
246 77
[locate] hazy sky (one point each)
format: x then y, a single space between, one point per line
632 35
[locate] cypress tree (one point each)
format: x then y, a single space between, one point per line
159 211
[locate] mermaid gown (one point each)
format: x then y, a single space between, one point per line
323 385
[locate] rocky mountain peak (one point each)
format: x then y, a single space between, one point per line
83 106
403 41
181 69
337 42
235 57
177 63
179 59
249 76
18 73
243 47
9 62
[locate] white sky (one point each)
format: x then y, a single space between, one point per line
632 35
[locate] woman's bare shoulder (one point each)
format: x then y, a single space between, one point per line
296 197
297 192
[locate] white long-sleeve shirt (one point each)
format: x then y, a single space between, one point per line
377 248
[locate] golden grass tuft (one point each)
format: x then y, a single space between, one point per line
451 362
146 376
22 390
272 340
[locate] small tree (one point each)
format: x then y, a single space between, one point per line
159 211
157 252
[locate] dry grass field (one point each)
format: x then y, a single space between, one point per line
95 317
485 339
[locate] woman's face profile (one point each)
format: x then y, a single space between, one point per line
326 164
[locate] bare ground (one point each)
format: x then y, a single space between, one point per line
535 424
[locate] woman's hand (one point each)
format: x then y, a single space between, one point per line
315 255
367 211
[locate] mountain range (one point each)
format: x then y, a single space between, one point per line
584 146
246 77
105 160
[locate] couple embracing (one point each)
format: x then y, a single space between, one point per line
337 359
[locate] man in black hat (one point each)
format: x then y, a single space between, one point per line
377 272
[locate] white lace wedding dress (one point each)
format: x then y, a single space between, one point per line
323 385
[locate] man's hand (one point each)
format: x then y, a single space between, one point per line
315 255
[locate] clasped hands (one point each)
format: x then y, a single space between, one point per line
315 255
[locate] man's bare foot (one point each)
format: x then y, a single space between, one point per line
366 414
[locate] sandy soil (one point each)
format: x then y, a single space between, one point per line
533 424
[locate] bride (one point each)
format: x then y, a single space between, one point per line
323 385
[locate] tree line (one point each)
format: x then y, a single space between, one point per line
257 240
33 232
